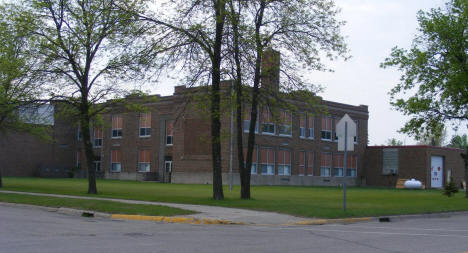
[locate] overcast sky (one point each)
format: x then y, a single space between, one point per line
373 28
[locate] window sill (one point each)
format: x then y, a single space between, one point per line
145 136
116 137
328 140
267 133
169 145
285 135
267 174
97 146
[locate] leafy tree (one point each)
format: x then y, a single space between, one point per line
394 142
435 72
304 31
16 73
437 137
86 50
193 38
459 141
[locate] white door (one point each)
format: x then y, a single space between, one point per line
437 171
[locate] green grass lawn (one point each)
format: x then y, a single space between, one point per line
93 205
324 202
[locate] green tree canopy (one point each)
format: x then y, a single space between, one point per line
459 141
435 70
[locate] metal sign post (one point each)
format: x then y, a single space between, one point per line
346 131
344 165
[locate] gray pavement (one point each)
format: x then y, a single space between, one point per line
37 230
203 212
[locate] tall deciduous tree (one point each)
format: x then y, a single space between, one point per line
435 72
459 141
302 30
194 39
17 90
87 49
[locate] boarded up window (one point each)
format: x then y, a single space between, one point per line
301 163
390 161
310 163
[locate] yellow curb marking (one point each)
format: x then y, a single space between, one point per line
173 219
227 222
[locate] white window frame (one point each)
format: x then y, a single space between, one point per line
146 130
324 169
285 130
117 165
327 131
270 167
146 165
310 129
169 140
284 165
116 132
268 125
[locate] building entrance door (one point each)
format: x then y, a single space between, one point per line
437 171
168 168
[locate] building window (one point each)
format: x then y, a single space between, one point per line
98 137
338 170
79 136
247 114
284 162
78 159
351 166
254 167
144 161
302 125
285 127
326 128
145 124
325 164
116 158
268 126
97 164
310 163
117 124
169 133
267 160
357 131
310 122
390 161
301 163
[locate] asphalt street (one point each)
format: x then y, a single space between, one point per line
24 229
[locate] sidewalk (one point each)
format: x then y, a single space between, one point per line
222 214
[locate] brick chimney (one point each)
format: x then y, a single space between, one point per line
270 70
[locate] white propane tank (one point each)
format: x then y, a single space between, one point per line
413 184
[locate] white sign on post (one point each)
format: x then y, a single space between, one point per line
340 133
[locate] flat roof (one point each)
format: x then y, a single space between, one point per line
415 146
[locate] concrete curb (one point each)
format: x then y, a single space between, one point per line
169 219
333 221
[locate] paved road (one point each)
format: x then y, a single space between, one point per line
25 229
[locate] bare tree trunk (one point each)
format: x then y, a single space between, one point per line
88 148
215 102
255 97
465 159
243 171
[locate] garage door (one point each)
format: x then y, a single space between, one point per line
437 171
